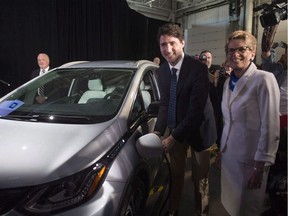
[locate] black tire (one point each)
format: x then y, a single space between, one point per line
134 199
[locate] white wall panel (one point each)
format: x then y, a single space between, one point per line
207 31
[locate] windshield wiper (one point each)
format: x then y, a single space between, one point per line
50 118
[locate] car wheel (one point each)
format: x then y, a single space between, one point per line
134 199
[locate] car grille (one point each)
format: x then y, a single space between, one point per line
11 198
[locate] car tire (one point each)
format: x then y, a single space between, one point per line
134 199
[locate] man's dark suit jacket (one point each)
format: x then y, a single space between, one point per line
192 96
50 88
35 73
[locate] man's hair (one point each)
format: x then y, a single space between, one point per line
45 55
242 35
171 29
205 51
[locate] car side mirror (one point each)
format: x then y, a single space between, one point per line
153 109
149 146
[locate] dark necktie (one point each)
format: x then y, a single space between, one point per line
172 101
41 89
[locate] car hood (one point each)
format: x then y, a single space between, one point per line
35 153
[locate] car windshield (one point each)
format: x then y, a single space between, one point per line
71 95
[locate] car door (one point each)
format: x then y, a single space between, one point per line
148 93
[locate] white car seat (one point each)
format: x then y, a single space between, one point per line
145 94
95 90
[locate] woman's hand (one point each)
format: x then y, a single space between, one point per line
255 180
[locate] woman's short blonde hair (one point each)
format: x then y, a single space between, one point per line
242 35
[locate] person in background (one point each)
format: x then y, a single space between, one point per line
227 68
207 58
43 63
277 181
185 117
156 60
216 80
196 56
250 137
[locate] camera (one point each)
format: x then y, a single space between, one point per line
220 69
202 57
272 13
222 72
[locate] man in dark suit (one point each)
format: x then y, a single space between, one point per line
190 126
43 63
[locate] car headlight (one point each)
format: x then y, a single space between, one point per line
70 191
65 193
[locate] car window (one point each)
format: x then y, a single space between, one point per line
137 110
147 93
149 85
93 95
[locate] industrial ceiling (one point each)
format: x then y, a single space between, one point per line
170 10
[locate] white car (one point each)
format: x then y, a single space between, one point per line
86 146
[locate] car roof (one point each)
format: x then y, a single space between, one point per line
106 64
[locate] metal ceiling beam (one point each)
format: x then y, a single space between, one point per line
204 5
167 8
158 9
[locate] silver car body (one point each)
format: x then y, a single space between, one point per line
45 154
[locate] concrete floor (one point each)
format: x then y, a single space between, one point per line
216 208
215 205
187 202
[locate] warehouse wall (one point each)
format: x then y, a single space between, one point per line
209 30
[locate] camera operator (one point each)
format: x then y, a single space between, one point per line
217 78
277 182
272 13
214 70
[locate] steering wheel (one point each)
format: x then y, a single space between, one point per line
113 95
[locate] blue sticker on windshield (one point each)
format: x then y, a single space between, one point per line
7 107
